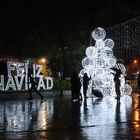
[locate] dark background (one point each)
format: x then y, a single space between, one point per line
40 28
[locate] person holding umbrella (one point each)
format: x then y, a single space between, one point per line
117 81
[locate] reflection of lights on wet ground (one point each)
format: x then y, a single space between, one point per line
14 121
98 115
136 119
135 103
136 122
136 114
136 125
105 110
43 117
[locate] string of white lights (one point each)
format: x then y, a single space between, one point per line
97 63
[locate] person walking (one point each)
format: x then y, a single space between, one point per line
85 84
75 87
33 87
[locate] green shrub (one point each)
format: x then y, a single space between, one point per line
58 82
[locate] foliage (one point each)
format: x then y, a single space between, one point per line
66 85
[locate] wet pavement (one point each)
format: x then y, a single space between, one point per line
57 118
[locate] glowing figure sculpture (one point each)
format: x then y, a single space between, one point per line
97 63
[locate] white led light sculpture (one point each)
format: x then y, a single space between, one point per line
97 63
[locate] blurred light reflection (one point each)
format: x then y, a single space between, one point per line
136 114
42 117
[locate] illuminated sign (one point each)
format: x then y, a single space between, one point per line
17 78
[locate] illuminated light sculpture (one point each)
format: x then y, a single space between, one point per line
97 63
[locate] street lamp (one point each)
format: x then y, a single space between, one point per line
136 65
42 60
135 61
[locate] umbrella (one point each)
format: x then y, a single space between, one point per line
118 71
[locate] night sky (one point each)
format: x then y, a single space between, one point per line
31 29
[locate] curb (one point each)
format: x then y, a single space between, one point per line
10 95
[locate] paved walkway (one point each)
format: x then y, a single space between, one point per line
57 118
